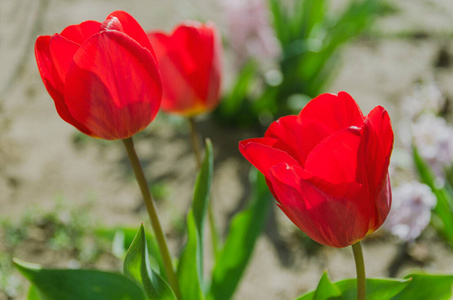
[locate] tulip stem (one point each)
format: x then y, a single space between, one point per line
360 268
155 223
196 150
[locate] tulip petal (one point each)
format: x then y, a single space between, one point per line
62 51
191 68
53 82
261 153
323 116
374 153
130 27
375 148
334 221
335 158
113 86
81 32
284 131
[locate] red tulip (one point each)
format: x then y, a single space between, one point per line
328 168
103 77
189 60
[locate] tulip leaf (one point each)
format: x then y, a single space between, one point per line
245 228
427 287
201 200
122 238
377 289
326 289
68 284
33 293
189 274
138 268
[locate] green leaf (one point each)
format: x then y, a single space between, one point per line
33 293
377 289
137 267
245 228
189 276
66 284
201 199
122 238
325 290
427 287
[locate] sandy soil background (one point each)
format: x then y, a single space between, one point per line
39 158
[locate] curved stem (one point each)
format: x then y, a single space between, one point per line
157 228
360 268
196 150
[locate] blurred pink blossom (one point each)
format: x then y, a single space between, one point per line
250 32
426 98
411 210
433 138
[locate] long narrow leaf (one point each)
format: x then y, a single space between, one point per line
138 268
189 276
377 289
68 284
201 201
126 236
427 287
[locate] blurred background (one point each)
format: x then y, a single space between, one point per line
59 187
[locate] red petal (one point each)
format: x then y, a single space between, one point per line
375 149
81 32
53 82
113 87
261 153
62 51
325 115
190 64
374 155
335 158
130 27
330 220
284 130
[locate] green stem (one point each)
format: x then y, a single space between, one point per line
360 268
157 228
194 137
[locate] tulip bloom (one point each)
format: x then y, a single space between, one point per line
103 77
328 168
189 61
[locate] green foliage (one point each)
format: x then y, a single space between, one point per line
201 199
310 35
138 268
33 293
69 284
245 228
326 289
377 289
427 287
189 274
190 268
442 217
413 286
122 238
